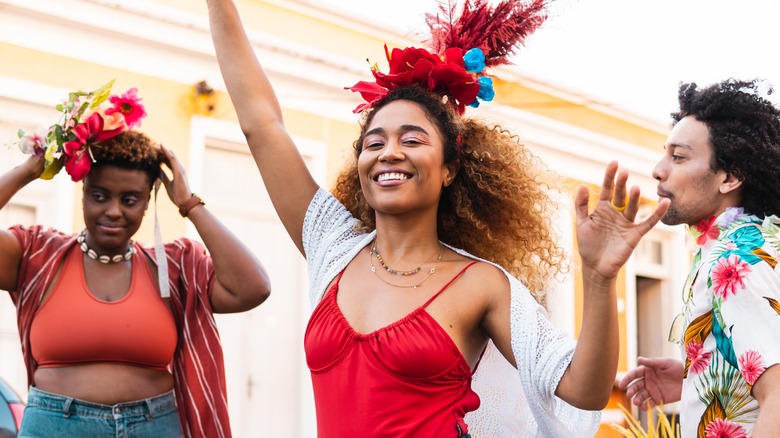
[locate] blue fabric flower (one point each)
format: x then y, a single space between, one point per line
486 92
474 60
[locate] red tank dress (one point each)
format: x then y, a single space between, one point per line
407 379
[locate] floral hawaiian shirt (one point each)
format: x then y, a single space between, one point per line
732 320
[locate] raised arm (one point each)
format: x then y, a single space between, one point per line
288 181
241 281
606 237
10 252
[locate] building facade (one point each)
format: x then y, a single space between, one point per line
163 47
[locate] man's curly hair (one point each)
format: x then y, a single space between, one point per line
497 207
744 131
129 150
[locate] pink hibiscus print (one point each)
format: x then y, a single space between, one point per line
752 366
708 229
129 106
728 274
699 358
720 428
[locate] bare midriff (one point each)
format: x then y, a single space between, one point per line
104 383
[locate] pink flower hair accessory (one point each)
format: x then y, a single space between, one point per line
88 117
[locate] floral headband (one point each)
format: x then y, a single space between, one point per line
87 118
462 47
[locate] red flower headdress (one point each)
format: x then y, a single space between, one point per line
462 47
87 118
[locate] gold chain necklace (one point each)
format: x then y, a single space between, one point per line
392 271
407 286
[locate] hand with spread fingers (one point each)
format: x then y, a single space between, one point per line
608 235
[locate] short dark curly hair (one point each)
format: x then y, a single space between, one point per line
132 150
744 131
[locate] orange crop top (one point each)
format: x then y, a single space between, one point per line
74 327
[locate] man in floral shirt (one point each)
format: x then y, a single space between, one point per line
720 171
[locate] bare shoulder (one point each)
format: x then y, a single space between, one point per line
486 280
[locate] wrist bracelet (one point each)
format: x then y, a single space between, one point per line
193 201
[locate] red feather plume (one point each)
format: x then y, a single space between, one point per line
497 30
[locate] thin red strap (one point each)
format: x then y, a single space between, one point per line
335 286
484 349
448 284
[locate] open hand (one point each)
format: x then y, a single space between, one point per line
607 236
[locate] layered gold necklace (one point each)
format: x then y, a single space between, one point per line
402 273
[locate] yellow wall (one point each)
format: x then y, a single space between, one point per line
569 111
167 121
169 108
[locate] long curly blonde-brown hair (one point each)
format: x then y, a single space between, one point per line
498 207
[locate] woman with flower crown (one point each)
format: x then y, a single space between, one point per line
425 262
115 343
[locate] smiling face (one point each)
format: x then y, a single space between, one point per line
401 163
685 176
115 200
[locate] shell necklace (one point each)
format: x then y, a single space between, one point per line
82 240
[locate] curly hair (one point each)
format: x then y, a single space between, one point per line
129 150
744 130
497 207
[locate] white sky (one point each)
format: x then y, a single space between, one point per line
630 53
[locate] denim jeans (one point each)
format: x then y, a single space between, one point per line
51 415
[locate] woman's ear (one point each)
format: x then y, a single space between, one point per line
450 171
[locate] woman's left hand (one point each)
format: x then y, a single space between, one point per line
177 186
607 236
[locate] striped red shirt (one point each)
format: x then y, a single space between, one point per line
198 368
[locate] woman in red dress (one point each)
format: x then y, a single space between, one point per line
413 264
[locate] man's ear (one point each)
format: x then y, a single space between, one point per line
730 183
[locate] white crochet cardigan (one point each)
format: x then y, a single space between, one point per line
514 402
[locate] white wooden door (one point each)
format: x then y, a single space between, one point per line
269 388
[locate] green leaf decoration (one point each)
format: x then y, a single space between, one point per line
724 343
51 170
101 94
748 239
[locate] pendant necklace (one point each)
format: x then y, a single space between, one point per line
394 272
